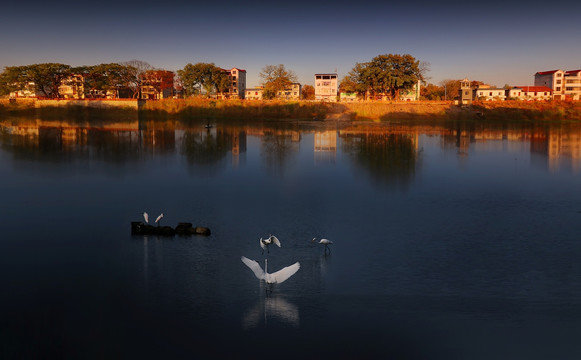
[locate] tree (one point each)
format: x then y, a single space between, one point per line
134 76
348 84
46 77
308 92
276 78
433 92
388 74
203 75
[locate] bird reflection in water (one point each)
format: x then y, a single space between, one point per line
268 308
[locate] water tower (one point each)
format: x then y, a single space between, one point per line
465 92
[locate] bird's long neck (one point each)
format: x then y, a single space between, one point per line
265 266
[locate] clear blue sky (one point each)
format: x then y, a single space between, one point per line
495 42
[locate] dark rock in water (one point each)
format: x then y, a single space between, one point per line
139 228
200 230
183 228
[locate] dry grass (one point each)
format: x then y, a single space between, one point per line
239 109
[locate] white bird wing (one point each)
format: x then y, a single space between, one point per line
262 244
275 240
159 218
285 273
253 265
146 217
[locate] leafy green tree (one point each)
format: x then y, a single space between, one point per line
308 92
134 75
277 78
203 75
432 92
388 74
46 77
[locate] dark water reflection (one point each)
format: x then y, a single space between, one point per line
452 240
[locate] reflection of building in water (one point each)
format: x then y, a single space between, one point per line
563 149
325 147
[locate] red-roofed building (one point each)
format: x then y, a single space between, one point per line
565 84
530 93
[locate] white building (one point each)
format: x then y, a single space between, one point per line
254 93
530 93
326 87
565 84
237 86
293 92
488 93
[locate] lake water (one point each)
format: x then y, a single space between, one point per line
451 241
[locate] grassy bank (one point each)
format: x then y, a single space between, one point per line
200 108
235 109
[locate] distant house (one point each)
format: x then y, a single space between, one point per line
157 84
530 93
326 87
237 89
565 84
487 93
412 94
254 93
73 87
345 96
28 91
293 92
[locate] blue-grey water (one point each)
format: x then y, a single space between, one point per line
451 241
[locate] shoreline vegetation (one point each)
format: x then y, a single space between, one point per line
201 108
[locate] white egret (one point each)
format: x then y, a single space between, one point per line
274 278
325 242
146 217
158 220
265 242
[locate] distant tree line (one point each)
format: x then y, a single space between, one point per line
384 75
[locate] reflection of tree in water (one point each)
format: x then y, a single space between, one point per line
390 159
206 148
59 144
277 148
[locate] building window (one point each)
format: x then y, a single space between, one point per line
558 81
559 75
558 88
569 88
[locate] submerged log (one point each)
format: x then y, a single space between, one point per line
139 228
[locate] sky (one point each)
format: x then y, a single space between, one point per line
497 42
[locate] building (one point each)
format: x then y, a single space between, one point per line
348 96
28 91
157 84
293 92
565 84
326 87
412 94
237 89
484 92
254 93
530 93
73 87
465 92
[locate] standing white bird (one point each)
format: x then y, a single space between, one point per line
146 217
265 242
325 242
274 278
158 220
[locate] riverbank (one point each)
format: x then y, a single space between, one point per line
201 108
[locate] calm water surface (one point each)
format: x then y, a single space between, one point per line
451 241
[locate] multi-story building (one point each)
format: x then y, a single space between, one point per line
565 84
73 87
293 92
237 87
326 87
157 84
